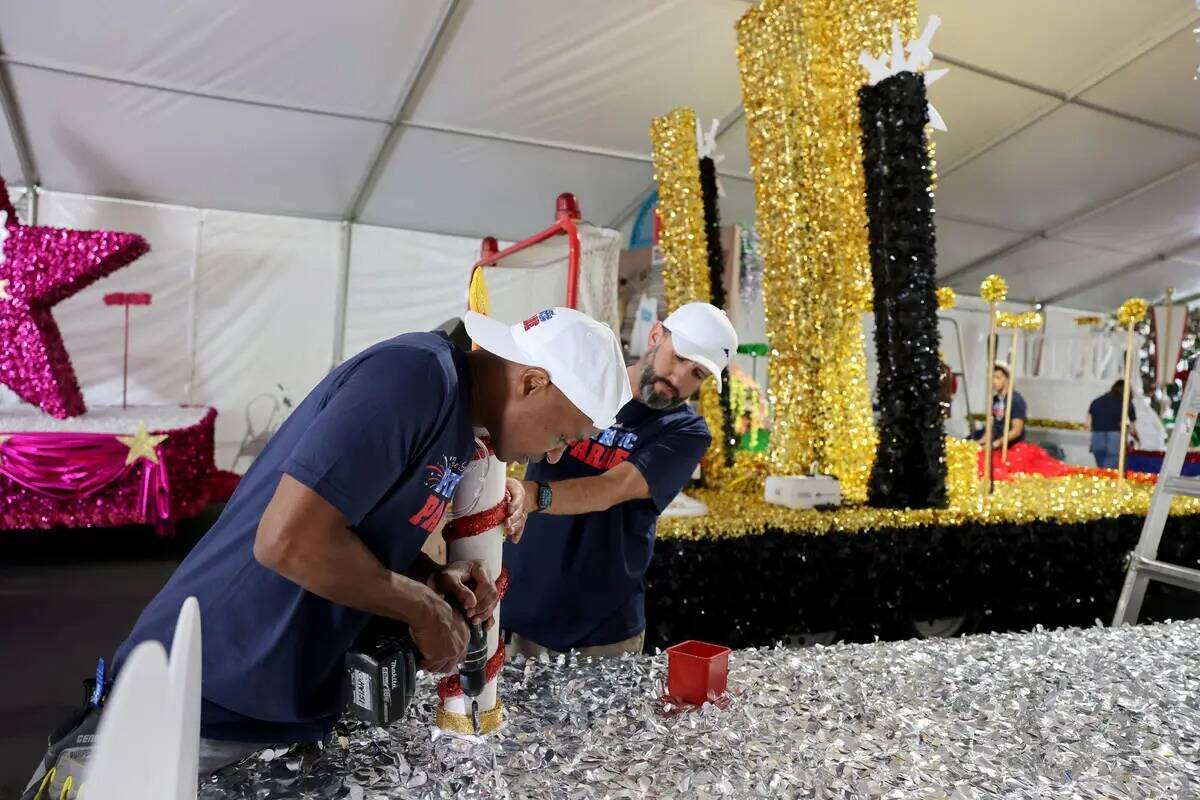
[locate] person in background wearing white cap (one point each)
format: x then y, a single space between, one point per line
577 574
326 529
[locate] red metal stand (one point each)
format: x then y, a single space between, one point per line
566 215
126 299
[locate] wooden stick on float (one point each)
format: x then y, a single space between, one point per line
1029 321
1012 379
1169 359
1125 402
987 411
1165 338
1132 312
993 290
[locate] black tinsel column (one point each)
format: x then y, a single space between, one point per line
910 462
716 283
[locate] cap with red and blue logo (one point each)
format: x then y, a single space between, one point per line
582 356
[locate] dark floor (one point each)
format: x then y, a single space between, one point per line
66 599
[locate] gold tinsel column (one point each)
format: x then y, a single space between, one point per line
683 243
800 78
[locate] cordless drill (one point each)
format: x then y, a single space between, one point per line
381 672
472 672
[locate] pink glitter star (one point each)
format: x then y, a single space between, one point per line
41 267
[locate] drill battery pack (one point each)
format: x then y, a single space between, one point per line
381 674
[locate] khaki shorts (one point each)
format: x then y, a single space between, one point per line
520 646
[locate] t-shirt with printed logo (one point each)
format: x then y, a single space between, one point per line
576 581
384 439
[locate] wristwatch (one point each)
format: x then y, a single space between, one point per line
544 496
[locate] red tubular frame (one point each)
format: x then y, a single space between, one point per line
566 215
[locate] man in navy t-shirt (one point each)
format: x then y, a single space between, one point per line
577 577
1016 433
1104 421
327 526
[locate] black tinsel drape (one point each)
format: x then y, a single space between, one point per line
910 462
716 282
755 590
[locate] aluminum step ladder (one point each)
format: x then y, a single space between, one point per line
1143 563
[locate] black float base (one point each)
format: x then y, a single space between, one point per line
760 589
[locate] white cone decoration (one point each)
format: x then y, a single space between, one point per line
479 494
148 740
184 701
131 740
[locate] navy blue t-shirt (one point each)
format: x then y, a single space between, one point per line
1018 412
1106 412
577 581
383 439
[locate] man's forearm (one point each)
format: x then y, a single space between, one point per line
574 496
332 562
594 493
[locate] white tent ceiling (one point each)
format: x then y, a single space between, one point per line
1070 165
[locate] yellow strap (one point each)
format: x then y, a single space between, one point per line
67 784
477 294
46 781
477 297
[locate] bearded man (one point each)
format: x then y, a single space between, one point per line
578 572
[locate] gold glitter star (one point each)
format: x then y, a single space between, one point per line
142 444
4 290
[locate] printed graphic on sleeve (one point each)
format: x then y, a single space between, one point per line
606 449
443 480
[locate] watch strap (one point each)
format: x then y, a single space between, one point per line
545 495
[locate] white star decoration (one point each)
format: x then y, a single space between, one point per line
706 146
919 57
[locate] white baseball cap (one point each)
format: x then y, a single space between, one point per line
582 356
702 333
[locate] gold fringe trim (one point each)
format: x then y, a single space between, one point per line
489 721
1034 422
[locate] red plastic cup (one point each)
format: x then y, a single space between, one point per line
697 671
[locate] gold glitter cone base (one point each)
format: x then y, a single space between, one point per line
489 721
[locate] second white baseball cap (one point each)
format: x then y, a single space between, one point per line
702 333
582 357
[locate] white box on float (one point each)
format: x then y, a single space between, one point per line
803 491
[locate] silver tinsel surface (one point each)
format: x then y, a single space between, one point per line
1098 713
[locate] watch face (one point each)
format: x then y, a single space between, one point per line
544 497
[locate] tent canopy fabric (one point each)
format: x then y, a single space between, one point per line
1070 164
